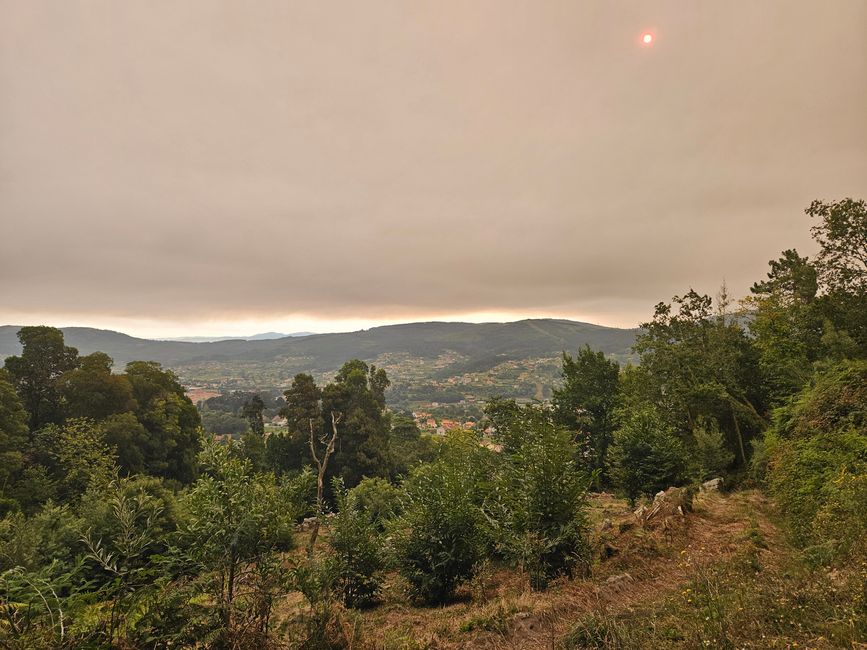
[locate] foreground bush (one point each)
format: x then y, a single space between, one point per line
816 454
538 506
439 540
646 455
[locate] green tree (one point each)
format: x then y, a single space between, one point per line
13 441
302 410
440 538
92 391
586 401
710 455
786 323
646 455
238 520
537 510
702 364
357 393
356 550
841 233
36 372
170 418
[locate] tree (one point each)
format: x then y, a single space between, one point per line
92 391
699 363
537 509
586 401
646 456
440 538
357 393
786 323
170 418
841 233
35 373
303 406
13 440
238 521
252 412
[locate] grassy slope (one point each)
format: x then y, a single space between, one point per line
722 577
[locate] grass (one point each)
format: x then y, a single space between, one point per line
723 577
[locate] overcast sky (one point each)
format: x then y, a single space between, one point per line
216 167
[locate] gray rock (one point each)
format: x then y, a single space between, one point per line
712 485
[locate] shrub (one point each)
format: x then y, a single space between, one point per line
646 455
816 455
357 557
710 455
538 511
439 539
378 499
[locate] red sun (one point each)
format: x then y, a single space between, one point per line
647 38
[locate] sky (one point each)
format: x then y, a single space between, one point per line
215 167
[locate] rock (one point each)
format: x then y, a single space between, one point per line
713 485
619 578
606 524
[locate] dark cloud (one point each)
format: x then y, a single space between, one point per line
205 159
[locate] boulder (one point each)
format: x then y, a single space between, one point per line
713 485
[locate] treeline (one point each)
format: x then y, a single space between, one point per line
126 526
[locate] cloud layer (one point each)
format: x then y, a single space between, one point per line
220 160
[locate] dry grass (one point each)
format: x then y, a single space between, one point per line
642 570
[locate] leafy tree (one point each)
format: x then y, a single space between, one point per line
171 420
13 440
378 499
77 457
440 538
408 446
35 373
126 556
587 400
646 455
357 559
538 506
358 394
237 521
252 412
699 363
841 233
710 455
130 440
92 391
302 410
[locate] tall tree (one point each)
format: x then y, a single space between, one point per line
702 364
92 391
358 394
586 401
171 419
35 373
13 437
786 323
841 233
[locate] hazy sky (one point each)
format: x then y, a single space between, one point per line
211 167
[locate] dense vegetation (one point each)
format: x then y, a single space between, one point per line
125 524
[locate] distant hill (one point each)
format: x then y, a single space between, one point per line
265 336
423 359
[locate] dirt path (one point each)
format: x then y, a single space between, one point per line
647 564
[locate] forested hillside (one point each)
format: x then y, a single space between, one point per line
710 495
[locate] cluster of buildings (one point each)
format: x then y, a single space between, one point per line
430 424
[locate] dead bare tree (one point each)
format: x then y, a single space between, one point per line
321 465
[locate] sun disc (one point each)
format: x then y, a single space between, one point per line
647 38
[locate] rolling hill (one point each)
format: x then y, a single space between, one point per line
514 359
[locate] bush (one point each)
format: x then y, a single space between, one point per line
439 539
646 456
357 558
378 499
710 455
538 514
816 454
